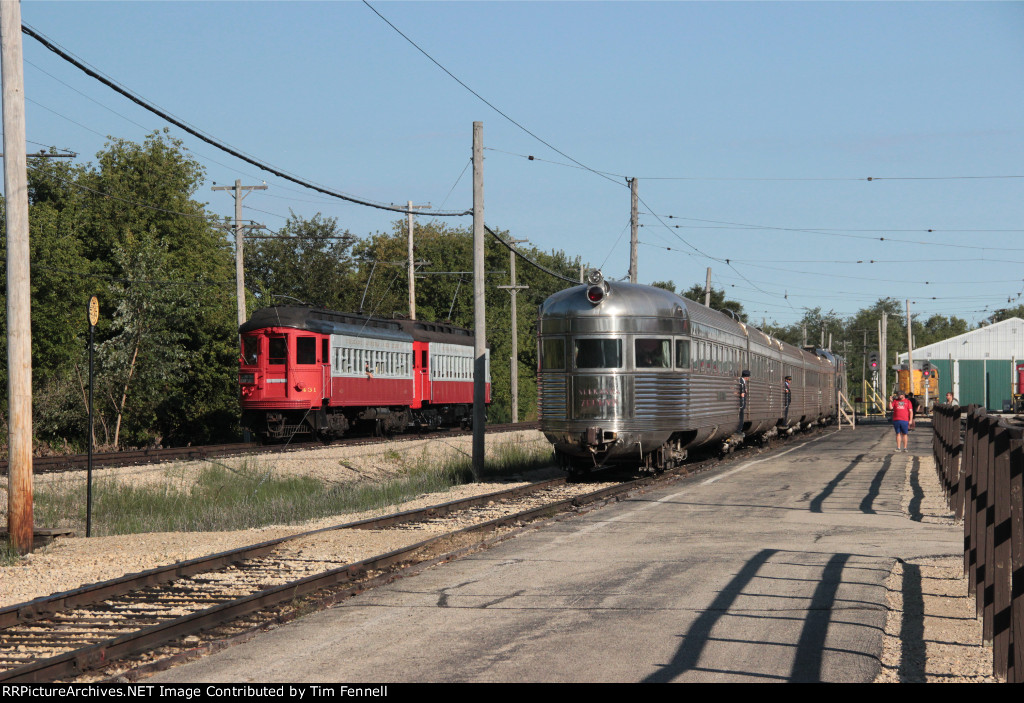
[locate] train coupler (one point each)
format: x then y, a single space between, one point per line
733 442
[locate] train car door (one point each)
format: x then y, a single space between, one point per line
326 384
277 366
423 374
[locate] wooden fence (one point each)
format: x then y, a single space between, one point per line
980 462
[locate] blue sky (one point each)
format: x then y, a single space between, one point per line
748 123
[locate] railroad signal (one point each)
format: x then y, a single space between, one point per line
873 361
926 370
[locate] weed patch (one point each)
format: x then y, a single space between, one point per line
223 498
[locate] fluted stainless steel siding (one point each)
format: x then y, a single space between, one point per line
553 398
660 400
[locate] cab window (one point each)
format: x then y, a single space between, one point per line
653 353
250 350
598 353
278 352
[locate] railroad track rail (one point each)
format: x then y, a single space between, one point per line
221 596
139 457
67 634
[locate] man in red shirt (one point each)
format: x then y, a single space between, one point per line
902 420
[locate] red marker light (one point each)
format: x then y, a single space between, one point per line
595 294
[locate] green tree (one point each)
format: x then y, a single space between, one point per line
936 329
444 291
308 260
718 300
129 230
145 350
1006 313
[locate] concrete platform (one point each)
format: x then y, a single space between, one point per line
770 570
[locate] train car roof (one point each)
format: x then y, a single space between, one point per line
622 300
323 321
627 300
445 332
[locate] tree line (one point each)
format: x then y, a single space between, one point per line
131 230
853 337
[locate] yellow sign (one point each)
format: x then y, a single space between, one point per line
94 310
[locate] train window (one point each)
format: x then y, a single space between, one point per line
325 350
653 353
278 352
250 350
305 350
598 353
552 354
682 354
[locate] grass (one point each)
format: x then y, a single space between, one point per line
8 555
222 498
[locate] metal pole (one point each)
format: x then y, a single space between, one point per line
479 308
883 354
632 229
707 289
19 326
910 352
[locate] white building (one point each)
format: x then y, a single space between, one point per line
978 366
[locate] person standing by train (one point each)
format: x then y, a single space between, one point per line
787 395
744 377
902 420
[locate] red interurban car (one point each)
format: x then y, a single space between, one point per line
316 372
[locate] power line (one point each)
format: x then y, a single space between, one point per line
110 83
527 259
838 233
812 179
483 99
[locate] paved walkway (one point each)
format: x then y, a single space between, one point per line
769 570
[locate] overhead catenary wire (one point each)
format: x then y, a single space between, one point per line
484 100
841 233
527 259
531 157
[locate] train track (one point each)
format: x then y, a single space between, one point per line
70 633
139 457
186 608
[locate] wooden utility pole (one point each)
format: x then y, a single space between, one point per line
707 289
239 267
514 289
633 224
412 261
479 309
19 327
